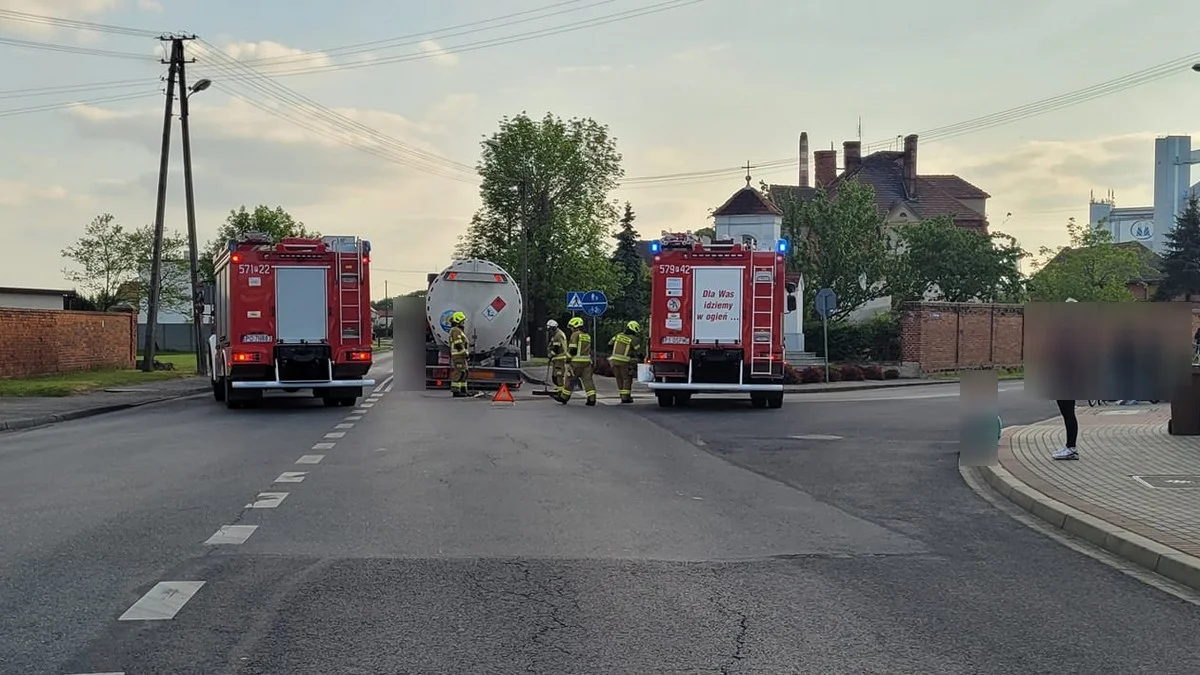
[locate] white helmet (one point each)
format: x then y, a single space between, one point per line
551 324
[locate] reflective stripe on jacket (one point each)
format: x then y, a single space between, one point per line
458 341
622 345
559 338
580 347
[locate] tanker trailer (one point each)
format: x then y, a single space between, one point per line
492 301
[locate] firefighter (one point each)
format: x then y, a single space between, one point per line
622 348
579 348
459 353
558 356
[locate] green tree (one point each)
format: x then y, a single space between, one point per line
1090 269
175 282
633 298
545 192
102 261
838 243
936 259
710 232
274 222
1181 264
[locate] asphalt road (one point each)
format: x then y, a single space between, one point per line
431 535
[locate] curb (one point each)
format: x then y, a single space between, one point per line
1158 558
812 389
44 420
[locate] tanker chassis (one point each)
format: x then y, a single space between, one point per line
716 319
492 302
293 315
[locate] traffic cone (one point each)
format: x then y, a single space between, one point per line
503 395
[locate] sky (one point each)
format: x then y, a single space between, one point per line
368 120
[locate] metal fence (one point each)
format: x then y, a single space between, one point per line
171 337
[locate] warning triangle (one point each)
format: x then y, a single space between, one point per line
503 395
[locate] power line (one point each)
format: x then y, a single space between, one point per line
72 49
73 88
945 132
60 106
397 150
74 24
655 8
401 41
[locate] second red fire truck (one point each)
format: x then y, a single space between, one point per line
716 319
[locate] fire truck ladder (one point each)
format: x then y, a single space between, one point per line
762 324
349 262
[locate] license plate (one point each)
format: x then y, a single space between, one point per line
484 375
257 337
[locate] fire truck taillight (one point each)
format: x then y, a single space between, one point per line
661 356
360 356
247 357
235 258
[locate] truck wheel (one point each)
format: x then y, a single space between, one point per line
665 399
683 398
758 401
331 402
218 389
775 401
230 398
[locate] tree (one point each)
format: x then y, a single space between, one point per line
1181 264
113 265
545 187
1090 269
175 281
941 261
838 243
710 232
633 298
274 222
101 260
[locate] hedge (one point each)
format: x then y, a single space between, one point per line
877 339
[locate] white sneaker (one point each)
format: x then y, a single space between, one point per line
1066 453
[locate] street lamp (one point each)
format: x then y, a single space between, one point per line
189 194
1196 67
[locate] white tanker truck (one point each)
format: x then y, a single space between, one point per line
492 301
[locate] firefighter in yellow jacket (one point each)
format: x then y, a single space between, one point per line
622 349
559 359
579 348
459 355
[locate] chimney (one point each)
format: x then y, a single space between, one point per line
826 161
803 159
852 153
910 164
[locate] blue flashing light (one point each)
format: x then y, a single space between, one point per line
781 246
656 246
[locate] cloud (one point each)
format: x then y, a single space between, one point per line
440 56
18 193
696 54
590 70
150 5
64 9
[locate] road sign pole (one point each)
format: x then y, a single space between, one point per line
825 325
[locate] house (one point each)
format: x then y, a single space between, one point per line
34 298
902 195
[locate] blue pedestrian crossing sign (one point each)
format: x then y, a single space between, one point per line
575 301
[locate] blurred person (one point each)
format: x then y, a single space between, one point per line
1068 450
579 348
459 355
1069 368
558 356
623 346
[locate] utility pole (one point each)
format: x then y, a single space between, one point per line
160 212
525 320
190 197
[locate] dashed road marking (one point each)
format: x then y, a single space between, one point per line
323 446
120 672
353 418
310 459
366 405
291 477
335 434
345 425
388 389
816 437
231 534
162 602
267 500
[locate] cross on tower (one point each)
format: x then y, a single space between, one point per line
748 179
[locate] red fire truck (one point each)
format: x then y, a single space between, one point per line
293 315
716 319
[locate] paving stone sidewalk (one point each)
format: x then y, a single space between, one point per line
607 385
1137 486
28 412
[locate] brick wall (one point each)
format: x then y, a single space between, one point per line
44 342
946 336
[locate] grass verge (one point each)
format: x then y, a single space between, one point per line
67 384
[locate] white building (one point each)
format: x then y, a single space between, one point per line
33 298
1150 225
